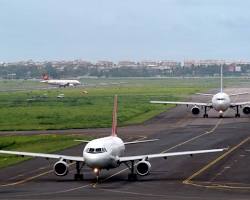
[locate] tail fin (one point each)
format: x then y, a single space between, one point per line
45 77
221 78
114 124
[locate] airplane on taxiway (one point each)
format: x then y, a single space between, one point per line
220 102
60 82
107 153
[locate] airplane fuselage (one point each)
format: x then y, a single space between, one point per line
221 102
104 153
62 82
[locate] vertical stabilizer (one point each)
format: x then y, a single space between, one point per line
114 124
45 77
221 78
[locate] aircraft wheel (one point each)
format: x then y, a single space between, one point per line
237 115
205 115
132 177
78 177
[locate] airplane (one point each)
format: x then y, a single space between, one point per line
60 83
107 153
220 102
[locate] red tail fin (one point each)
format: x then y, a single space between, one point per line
45 77
114 124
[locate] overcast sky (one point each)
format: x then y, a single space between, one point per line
124 29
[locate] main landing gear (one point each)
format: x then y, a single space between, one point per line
78 175
132 176
205 114
237 112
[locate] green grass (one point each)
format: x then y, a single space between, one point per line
35 143
41 110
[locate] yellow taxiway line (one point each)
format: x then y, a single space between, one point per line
189 181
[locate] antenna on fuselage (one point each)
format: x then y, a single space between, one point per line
221 78
114 123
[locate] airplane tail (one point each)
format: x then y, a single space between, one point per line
45 77
114 123
221 78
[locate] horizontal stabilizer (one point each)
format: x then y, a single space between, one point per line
204 94
140 141
236 94
83 141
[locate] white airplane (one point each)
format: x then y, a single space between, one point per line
221 102
60 83
107 153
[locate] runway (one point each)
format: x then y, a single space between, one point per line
211 176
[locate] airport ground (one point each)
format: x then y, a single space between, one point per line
210 176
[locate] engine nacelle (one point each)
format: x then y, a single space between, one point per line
195 110
246 110
61 168
143 168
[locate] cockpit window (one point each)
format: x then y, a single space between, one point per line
96 150
220 99
90 150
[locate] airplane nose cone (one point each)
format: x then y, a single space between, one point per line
96 160
221 106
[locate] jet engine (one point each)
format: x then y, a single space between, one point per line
61 168
246 110
143 168
71 85
195 110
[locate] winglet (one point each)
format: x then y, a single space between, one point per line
114 123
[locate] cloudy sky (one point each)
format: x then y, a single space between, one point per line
124 29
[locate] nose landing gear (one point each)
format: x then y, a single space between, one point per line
97 173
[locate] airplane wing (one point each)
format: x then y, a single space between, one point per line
240 103
44 155
165 155
181 103
140 141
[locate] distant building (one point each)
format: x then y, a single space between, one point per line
148 63
102 64
212 62
191 63
127 63
169 64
